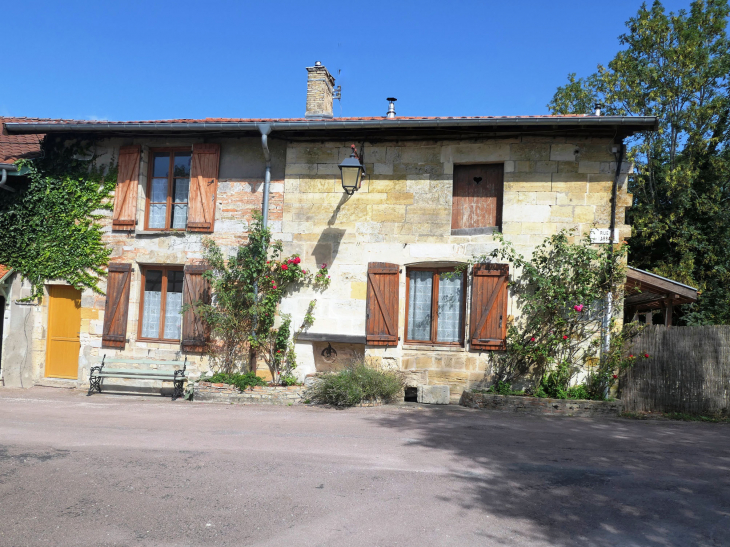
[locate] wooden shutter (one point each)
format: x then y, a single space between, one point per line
119 280
381 326
125 197
203 185
477 199
488 320
195 290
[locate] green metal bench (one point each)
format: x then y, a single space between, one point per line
176 376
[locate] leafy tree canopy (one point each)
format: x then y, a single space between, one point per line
674 66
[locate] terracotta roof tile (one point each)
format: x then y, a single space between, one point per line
3 270
269 120
15 147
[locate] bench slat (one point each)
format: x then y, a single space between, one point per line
163 378
136 371
142 362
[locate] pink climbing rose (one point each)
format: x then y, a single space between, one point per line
578 307
532 339
297 260
284 267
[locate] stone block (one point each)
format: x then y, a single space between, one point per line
526 213
358 290
404 198
567 167
497 151
561 213
382 169
584 213
530 151
387 186
571 198
412 378
317 185
600 187
545 198
434 395
389 213
563 152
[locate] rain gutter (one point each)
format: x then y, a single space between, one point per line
641 122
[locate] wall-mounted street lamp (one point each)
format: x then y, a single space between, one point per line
352 170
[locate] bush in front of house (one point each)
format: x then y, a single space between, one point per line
241 381
356 384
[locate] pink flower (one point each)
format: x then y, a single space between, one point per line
297 260
289 261
268 261
578 307
646 355
565 337
615 376
532 339
631 356
328 277
324 266
284 267
274 287
304 271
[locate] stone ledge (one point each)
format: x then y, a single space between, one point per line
261 395
540 406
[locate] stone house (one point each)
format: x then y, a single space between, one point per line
434 192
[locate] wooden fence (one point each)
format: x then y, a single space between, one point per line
688 370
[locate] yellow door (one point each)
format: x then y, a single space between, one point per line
64 324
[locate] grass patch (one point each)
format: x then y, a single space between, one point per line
356 384
241 381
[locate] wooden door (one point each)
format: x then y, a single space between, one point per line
64 324
477 197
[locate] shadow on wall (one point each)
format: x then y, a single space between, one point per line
577 482
328 244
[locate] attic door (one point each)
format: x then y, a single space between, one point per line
477 203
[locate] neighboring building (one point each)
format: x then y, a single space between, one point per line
436 190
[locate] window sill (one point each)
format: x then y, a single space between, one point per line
475 231
431 347
159 233
154 341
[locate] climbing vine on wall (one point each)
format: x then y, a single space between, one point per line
50 224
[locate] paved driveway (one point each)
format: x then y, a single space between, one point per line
128 470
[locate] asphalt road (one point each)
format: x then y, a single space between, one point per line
127 470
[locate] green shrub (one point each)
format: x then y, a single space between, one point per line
356 384
241 381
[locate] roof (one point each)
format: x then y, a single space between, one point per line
645 290
450 126
18 146
4 270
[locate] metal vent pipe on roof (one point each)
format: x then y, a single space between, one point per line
597 109
391 107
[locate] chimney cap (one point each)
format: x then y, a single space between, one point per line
317 63
391 99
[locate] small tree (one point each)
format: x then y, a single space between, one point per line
561 292
247 289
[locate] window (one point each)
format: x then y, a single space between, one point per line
168 189
435 306
477 204
161 304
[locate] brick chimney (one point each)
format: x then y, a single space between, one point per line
320 92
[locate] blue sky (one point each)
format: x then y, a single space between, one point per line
157 59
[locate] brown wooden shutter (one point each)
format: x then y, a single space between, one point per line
477 199
489 294
119 280
125 197
381 326
203 186
195 290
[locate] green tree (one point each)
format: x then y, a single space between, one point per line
50 225
674 66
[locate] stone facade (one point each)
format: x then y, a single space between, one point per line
535 405
402 215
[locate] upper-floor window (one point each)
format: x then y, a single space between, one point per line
435 306
477 201
168 189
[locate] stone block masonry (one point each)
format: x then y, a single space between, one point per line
402 215
260 395
540 406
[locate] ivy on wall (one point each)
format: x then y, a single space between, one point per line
50 224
